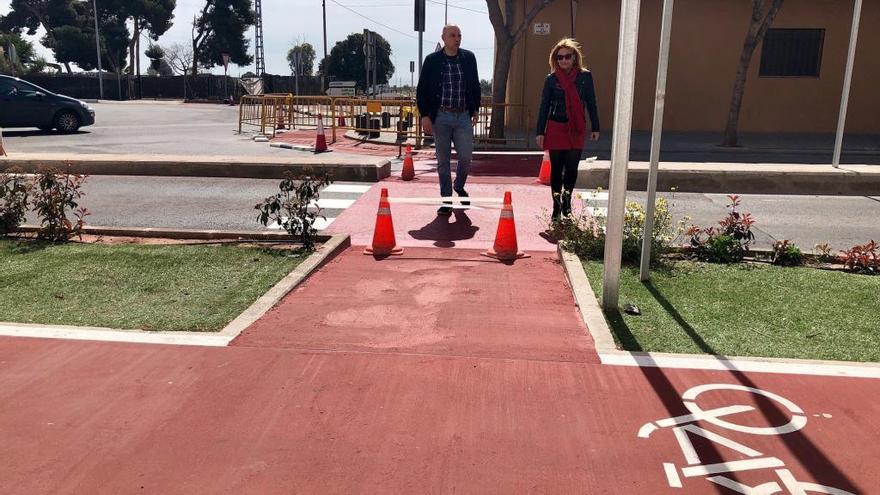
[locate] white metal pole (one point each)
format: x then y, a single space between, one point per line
98 50
656 135
847 79
623 105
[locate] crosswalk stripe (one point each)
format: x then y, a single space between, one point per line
335 204
347 188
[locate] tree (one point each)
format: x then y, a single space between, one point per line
485 87
220 28
24 51
307 58
150 16
30 15
763 15
347 62
158 65
180 58
507 33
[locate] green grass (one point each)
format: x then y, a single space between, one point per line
748 310
152 287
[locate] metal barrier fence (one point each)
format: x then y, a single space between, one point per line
370 119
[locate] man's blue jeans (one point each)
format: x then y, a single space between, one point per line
449 128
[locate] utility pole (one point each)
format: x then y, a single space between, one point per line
324 75
446 12
419 25
259 56
98 50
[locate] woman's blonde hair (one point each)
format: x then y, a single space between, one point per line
575 47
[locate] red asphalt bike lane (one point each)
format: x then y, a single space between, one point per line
438 371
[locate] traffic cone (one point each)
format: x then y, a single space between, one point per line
409 171
544 174
279 122
505 248
2 149
341 121
320 139
384 243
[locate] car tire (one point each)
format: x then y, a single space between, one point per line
67 122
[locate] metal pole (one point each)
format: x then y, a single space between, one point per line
656 135
623 106
847 79
98 50
446 12
420 54
324 75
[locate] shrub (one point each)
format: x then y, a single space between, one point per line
57 194
14 191
584 233
824 254
290 208
786 253
862 258
727 243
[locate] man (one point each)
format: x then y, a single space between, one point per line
448 97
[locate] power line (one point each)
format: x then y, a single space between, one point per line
460 8
426 43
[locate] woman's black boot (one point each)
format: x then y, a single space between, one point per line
566 202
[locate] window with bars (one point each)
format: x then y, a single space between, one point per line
792 53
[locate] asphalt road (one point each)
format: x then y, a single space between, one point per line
166 128
197 203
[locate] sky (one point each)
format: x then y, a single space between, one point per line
286 22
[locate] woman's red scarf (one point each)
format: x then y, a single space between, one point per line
574 108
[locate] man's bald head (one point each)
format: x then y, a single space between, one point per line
451 39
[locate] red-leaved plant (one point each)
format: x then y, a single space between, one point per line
57 193
727 243
862 258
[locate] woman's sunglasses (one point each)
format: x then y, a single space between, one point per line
559 56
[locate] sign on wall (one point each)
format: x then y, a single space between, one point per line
542 28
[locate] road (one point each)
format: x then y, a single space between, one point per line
167 128
199 203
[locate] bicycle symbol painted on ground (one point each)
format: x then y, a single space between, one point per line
684 428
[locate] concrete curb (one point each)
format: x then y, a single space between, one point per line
333 246
742 178
609 354
267 301
152 232
345 168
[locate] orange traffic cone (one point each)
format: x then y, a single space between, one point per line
505 248
320 139
384 243
544 174
409 171
279 122
2 149
341 121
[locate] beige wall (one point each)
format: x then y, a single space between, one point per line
707 37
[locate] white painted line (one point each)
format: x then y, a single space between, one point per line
110 335
334 204
322 223
647 360
593 195
672 475
347 188
726 467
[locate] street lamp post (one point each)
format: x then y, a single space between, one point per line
98 50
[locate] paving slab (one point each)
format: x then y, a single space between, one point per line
430 301
418 225
127 418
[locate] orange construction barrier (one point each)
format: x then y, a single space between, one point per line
409 171
544 174
505 248
320 139
384 243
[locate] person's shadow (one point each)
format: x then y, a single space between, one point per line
443 232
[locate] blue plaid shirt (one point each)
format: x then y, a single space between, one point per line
453 92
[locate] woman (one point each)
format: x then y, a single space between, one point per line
562 122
